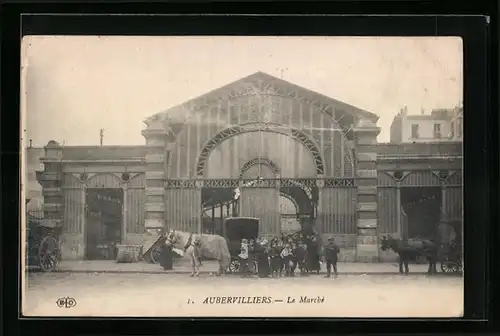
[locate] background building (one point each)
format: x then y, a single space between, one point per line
33 188
440 125
457 124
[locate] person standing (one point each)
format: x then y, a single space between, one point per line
331 257
243 256
166 256
275 258
251 256
294 259
312 255
262 259
286 256
301 256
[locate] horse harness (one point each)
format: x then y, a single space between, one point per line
189 243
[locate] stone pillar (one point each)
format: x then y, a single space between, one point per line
365 135
155 164
125 212
398 211
51 180
443 215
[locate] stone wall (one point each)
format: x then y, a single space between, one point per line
365 135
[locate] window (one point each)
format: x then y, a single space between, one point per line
452 130
414 131
437 131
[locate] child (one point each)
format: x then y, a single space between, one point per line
244 258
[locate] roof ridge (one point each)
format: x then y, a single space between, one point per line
164 113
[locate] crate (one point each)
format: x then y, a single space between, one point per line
128 253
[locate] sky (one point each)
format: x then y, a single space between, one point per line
75 85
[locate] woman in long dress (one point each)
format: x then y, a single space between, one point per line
261 253
166 256
313 255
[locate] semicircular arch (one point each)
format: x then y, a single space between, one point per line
226 134
292 201
260 161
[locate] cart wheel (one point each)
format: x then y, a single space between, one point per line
234 266
49 254
450 267
155 254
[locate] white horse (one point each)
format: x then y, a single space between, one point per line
209 246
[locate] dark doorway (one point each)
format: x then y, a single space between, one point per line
217 204
103 223
422 206
306 202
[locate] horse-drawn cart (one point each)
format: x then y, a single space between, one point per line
42 243
451 249
234 230
451 262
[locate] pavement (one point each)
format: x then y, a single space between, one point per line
182 267
156 295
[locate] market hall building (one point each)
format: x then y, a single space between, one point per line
258 147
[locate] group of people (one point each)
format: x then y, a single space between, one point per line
283 255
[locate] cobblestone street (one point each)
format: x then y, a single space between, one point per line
129 294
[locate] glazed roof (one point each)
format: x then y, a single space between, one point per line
177 114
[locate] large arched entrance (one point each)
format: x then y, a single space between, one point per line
258 161
289 210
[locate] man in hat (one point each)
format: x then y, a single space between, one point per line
331 257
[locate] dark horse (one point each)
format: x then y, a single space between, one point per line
411 248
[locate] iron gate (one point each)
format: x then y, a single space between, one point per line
330 203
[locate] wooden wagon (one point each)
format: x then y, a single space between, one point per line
42 243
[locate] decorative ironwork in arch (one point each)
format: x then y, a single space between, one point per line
258 161
455 178
385 179
137 180
291 199
260 127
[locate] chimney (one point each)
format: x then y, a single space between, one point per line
404 112
422 111
31 143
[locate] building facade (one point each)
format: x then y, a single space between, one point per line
33 189
441 125
258 147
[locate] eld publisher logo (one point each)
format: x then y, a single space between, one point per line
66 302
